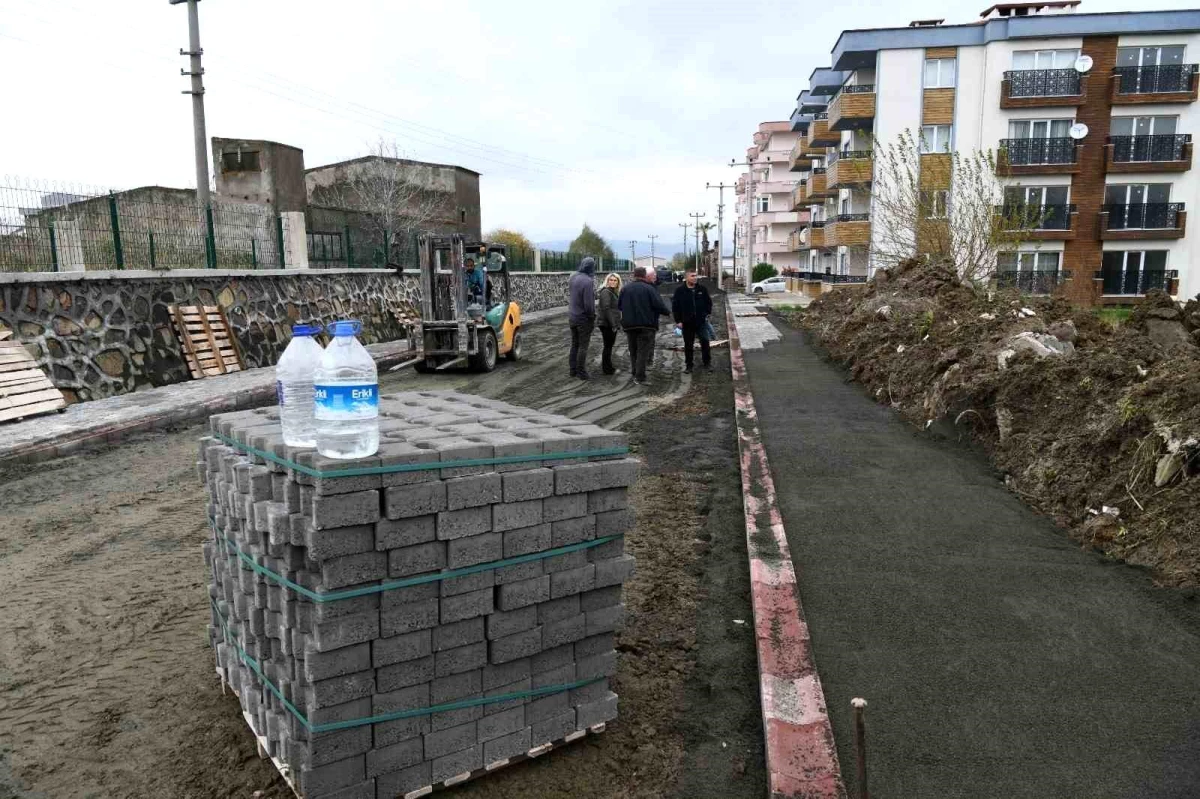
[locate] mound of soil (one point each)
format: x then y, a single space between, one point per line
1094 424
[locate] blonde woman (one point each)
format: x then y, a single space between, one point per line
609 319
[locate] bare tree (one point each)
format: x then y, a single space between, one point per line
943 206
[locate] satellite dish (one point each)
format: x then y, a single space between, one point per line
1083 64
1078 131
804 235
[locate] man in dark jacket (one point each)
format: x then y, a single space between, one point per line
640 306
691 306
581 307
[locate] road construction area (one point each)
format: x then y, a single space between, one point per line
107 685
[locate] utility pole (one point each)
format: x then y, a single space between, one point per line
720 223
197 92
696 225
633 253
685 226
749 164
652 237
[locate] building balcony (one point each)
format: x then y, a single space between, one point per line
774 187
772 247
776 218
1166 83
1040 222
816 188
819 134
1125 283
1165 153
1040 88
1029 281
800 160
1143 221
813 237
1038 156
848 230
798 199
794 241
853 108
774 156
849 168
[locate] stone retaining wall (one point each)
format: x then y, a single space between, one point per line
103 333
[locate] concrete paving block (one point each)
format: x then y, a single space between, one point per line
405 453
594 645
455 763
412 697
460 659
465 522
527 484
278 523
334 776
466 606
512 647
614 571
600 598
406 532
346 631
565 562
521 688
401 648
573 531
565 506
418 499
395 597
460 449
451 636
320 666
454 718
395 757
306 501
398 783
346 510
473 550
558 439
329 747
552 658
605 620
407 618
498 724
607 551
339 690
518 573
327 611
554 728
563 675
527 592
452 586
514 444
291 496
511 745
527 540
607 499
443 742
573 581
614 522
599 712
602 665
593 692
390 732
547 707
557 609
416 559
578 478
404 675
501 624
344 485
300 527
340 541
260 485
496 675
473 491
365 567
515 515
455 687
599 438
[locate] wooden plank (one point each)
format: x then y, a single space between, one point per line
5 334
32 410
31 398
184 339
941 52
17 386
19 394
938 107
12 378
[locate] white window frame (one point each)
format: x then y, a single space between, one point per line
939 204
763 204
1050 58
945 73
936 139
1035 260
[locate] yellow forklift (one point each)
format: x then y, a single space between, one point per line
465 321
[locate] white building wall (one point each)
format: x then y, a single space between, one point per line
898 96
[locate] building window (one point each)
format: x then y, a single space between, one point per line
1140 206
1152 69
764 204
1038 207
935 139
240 161
1134 272
934 204
1028 272
1044 59
1150 56
939 73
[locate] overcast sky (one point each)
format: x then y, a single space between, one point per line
610 113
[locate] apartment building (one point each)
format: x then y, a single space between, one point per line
775 219
1090 117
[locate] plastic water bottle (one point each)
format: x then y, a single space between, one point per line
294 386
346 394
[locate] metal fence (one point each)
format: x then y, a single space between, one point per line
50 228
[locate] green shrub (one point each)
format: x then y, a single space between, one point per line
761 272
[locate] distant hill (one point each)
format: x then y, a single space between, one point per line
643 247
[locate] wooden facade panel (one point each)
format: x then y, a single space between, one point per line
848 234
936 169
848 172
938 107
941 52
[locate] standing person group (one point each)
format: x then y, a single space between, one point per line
641 305
581 314
691 306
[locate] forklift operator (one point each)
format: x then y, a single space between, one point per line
475 280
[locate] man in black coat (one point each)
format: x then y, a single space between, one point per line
640 306
691 306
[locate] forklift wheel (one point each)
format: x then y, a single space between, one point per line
484 360
514 352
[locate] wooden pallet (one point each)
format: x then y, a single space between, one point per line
24 388
208 345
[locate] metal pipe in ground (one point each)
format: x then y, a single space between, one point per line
860 745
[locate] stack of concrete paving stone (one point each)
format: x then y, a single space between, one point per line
315 637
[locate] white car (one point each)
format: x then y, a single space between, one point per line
769 285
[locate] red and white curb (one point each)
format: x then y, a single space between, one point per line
802 760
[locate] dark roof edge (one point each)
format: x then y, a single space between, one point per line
392 160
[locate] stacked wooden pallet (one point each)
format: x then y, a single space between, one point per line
208 345
24 388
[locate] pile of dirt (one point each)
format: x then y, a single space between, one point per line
1094 424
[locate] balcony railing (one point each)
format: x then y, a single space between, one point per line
847 155
852 218
1037 217
1039 152
1161 79
1029 281
1143 216
1043 83
1134 282
1130 149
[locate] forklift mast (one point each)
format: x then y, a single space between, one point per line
443 289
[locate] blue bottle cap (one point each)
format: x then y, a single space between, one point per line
305 330
346 327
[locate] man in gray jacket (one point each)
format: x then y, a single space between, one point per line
581 293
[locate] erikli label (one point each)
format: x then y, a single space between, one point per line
337 402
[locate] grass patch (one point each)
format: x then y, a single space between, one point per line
1113 317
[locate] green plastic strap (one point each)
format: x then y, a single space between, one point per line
416 467
408 581
396 715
